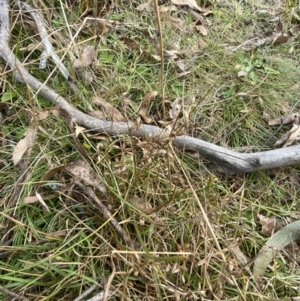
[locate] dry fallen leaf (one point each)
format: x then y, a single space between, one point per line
98 114
175 108
288 138
145 106
190 3
292 118
178 23
23 145
295 30
109 109
132 44
141 204
85 75
79 130
144 6
279 37
82 170
87 57
170 54
167 8
45 113
269 225
202 29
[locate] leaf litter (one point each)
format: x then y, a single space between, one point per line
290 136
174 112
24 145
111 112
143 110
82 171
80 64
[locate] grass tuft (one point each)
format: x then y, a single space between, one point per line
59 254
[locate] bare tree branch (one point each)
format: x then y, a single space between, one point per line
231 162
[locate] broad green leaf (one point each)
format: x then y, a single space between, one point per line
277 242
9 95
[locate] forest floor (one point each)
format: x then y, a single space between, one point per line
158 223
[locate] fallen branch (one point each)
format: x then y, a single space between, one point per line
230 161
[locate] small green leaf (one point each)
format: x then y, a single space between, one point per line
9 95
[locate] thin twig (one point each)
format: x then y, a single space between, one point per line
87 292
89 191
162 61
16 296
48 48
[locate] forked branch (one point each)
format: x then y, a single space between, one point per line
231 162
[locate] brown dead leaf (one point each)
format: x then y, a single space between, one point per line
141 204
24 144
239 254
98 114
295 30
80 169
279 39
266 117
278 27
87 57
132 44
170 54
167 8
175 108
30 199
200 20
145 106
45 113
288 138
144 6
269 225
85 75
190 3
292 118
178 23
284 106
109 109
293 134
202 29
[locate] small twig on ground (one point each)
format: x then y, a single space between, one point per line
90 193
48 48
87 292
162 61
16 296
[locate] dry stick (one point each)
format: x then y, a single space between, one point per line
232 162
16 296
89 191
87 292
161 46
48 48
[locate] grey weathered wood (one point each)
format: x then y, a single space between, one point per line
230 161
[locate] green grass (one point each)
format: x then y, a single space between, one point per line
58 255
